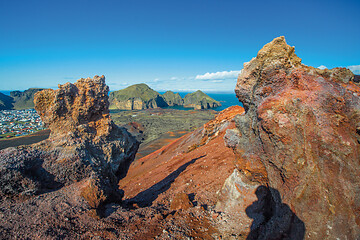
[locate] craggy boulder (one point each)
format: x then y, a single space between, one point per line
84 145
299 145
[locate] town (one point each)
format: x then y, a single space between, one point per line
14 123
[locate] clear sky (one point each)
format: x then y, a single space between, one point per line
170 45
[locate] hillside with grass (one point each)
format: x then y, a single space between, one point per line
141 96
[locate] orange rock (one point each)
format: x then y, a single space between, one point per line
180 201
93 193
299 140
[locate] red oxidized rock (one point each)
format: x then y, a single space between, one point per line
300 139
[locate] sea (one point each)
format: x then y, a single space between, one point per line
226 99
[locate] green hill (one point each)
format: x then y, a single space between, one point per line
173 99
200 100
141 96
142 91
136 97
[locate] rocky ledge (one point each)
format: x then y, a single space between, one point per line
84 146
297 150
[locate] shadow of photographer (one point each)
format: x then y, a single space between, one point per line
273 219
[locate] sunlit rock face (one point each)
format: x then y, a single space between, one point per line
80 109
84 145
300 140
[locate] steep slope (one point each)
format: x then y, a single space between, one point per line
25 99
200 100
297 150
173 99
136 97
6 102
208 162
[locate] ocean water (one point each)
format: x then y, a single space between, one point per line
226 100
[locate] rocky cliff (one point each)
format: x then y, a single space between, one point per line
200 100
297 150
84 146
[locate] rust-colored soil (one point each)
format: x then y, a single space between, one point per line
165 139
183 166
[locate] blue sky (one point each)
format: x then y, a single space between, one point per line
167 44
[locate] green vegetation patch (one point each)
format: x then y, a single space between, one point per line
142 91
197 97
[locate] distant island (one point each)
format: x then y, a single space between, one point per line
18 100
141 96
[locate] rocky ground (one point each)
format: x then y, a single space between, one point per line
169 194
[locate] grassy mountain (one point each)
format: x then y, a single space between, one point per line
200 100
141 96
173 99
24 100
136 97
142 91
6 102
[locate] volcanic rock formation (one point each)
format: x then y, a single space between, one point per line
84 145
297 149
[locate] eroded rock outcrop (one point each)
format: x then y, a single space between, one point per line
297 149
84 146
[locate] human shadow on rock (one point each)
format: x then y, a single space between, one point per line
146 198
273 220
